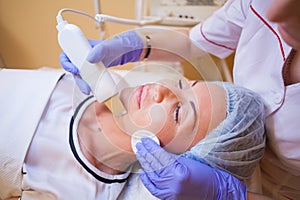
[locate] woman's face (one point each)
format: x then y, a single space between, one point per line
287 14
169 109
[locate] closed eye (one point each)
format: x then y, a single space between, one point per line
177 109
194 83
180 84
176 113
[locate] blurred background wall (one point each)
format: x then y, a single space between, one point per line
28 36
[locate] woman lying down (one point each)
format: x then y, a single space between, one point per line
53 150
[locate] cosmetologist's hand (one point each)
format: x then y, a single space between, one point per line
169 176
70 67
121 49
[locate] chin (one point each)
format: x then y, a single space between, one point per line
291 41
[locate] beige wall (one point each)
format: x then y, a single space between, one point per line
28 37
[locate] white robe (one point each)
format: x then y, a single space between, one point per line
36 161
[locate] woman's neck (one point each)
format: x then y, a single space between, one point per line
99 149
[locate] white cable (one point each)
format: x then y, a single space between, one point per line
100 18
107 18
61 22
60 19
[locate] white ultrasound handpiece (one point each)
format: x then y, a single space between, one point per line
75 45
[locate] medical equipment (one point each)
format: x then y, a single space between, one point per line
186 14
138 135
179 12
73 42
165 12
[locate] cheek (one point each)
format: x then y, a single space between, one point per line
154 119
177 143
166 135
178 138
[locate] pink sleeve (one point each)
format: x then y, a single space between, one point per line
220 33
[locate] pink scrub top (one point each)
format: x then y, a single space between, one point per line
241 26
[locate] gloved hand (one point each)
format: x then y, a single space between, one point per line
169 176
123 48
70 67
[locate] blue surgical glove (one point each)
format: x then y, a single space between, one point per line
70 67
121 49
169 176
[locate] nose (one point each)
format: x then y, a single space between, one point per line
161 93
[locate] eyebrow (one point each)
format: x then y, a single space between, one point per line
195 114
